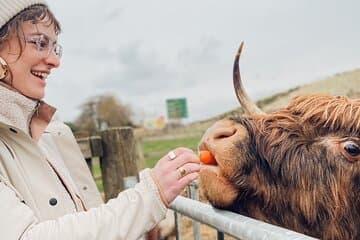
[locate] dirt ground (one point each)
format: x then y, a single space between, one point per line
207 232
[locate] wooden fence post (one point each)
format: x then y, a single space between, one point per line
90 147
120 159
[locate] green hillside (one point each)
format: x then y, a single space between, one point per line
347 83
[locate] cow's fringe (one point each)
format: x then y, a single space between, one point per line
323 111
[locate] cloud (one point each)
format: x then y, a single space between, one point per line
133 69
148 51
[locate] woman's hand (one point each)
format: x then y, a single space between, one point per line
174 171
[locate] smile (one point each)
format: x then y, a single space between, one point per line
42 75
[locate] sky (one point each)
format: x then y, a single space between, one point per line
145 52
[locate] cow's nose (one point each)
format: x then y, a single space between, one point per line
221 130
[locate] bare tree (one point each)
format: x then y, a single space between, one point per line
101 112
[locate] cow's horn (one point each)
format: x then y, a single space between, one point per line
246 103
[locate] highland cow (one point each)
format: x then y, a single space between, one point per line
297 167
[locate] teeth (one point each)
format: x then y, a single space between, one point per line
41 75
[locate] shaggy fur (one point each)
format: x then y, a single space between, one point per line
301 169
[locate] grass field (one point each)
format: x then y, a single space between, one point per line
153 150
97 174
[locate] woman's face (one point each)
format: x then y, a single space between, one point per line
31 69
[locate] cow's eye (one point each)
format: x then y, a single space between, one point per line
352 148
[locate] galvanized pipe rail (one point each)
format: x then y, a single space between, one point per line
233 224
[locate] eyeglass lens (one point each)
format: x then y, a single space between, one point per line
42 43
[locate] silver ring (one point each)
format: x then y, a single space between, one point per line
182 171
172 155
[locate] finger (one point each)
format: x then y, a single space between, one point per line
191 167
172 154
186 157
187 162
181 183
180 172
178 151
186 180
183 149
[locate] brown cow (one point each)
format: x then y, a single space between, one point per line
297 167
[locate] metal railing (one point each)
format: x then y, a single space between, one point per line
235 225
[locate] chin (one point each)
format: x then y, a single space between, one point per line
39 97
36 96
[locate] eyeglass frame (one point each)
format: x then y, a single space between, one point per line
36 39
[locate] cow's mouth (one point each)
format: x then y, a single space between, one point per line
215 186
214 167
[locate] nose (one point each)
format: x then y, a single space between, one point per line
53 60
220 131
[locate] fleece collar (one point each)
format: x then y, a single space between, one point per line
29 115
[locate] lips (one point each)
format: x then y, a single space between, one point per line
40 74
213 167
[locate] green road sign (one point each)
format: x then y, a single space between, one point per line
176 108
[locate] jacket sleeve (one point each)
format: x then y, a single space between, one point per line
128 216
15 216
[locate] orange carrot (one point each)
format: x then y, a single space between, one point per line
207 158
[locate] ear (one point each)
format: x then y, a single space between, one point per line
4 69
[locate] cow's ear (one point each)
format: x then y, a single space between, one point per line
351 150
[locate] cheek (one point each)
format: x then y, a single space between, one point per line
217 189
18 80
235 158
20 71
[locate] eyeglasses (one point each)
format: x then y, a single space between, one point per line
43 44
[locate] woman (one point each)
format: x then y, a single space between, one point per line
46 190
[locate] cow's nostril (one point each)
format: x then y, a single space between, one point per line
224 133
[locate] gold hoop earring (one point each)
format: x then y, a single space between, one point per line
4 69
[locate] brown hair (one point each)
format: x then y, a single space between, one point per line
295 181
35 13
